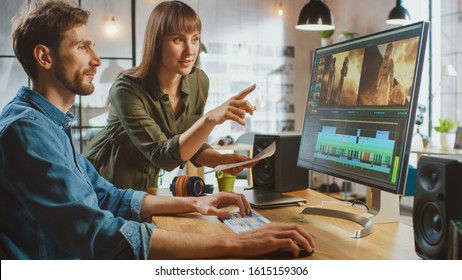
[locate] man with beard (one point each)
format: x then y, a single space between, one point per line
55 205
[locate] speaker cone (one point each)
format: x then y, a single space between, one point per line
430 178
263 173
432 223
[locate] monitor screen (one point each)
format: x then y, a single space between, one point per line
361 107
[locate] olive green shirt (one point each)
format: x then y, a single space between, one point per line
142 135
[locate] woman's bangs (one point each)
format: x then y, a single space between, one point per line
186 23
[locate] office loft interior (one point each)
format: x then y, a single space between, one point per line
256 41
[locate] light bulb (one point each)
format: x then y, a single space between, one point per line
280 9
111 28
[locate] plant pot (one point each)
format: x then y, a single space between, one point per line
447 140
326 41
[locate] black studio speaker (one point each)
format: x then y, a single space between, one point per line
437 200
279 172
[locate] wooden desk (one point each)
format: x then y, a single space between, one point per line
332 236
191 170
434 151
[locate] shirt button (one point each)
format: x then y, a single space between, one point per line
130 233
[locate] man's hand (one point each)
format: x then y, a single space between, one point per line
213 204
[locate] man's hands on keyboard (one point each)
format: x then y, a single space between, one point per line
239 224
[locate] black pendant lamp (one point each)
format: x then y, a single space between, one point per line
398 15
315 16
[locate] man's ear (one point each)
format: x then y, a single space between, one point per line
43 56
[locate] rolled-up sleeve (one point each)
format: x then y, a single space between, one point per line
139 238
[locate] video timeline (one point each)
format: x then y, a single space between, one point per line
347 145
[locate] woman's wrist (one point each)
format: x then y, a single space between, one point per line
208 120
209 157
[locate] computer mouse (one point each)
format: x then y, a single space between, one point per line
287 253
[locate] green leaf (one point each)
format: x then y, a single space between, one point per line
446 125
326 33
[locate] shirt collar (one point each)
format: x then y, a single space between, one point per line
63 120
157 93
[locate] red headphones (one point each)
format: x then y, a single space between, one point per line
189 186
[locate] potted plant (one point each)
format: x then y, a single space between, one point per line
447 129
347 35
326 37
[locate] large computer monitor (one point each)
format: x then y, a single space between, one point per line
360 114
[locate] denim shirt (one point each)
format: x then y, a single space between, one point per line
54 204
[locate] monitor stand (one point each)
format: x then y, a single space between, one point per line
384 209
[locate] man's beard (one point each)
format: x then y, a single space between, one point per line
74 81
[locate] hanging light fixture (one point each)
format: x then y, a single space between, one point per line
111 27
315 16
398 15
280 9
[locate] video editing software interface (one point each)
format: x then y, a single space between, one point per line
361 107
